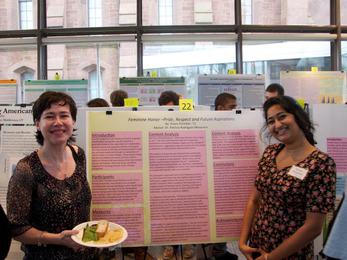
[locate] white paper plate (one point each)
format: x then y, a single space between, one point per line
112 226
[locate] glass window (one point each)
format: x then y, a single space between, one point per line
27 74
26 14
95 84
188 60
13 63
128 59
344 55
343 7
183 12
275 57
85 13
94 13
165 12
246 11
305 12
81 61
127 12
19 63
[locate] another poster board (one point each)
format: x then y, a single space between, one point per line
148 89
8 91
77 89
331 137
248 89
168 176
17 138
321 87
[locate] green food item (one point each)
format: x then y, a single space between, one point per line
89 233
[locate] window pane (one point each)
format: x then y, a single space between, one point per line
188 12
74 13
305 12
18 63
128 59
81 61
188 60
343 6
344 55
26 14
17 15
94 13
275 57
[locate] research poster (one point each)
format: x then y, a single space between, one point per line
331 137
8 91
77 89
17 139
148 89
248 89
323 87
173 177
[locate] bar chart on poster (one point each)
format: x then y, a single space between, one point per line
321 87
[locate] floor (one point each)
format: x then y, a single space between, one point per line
154 253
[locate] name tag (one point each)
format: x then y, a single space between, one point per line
298 172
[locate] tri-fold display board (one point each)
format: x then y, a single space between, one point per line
172 177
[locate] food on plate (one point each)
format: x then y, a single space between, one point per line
101 233
102 227
89 233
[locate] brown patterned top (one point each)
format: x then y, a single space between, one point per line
37 199
285 200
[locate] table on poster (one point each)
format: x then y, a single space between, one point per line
173 177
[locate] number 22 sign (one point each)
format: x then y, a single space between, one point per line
186 104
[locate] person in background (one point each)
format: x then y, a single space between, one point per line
117 98
48 194
293 191
97 102
274 90
5 234
225 101
168 98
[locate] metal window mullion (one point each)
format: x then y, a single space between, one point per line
335 46
41 49
139 44
239 42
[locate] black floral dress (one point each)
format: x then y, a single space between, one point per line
285 199
37 199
